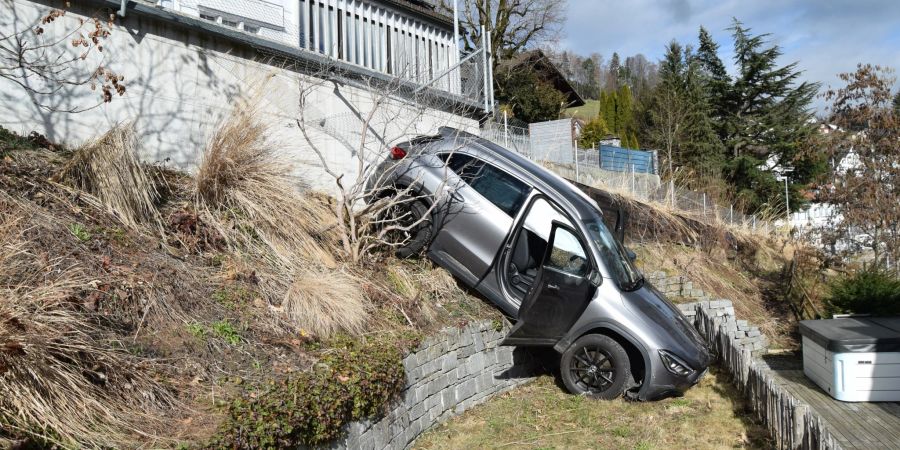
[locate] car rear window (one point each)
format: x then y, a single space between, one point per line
498 187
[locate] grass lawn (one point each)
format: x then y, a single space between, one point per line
541 415
587 112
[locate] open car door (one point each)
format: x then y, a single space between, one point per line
561 292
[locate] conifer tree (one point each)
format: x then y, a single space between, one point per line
715 79
768 118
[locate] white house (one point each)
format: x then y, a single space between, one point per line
185 62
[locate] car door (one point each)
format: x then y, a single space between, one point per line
473 224
560 293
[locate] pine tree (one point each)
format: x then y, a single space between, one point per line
680 116
615 73
768 119
715 79
608 109
624 122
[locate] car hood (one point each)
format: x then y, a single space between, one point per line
672 330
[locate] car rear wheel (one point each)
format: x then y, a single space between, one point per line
413 216
597 366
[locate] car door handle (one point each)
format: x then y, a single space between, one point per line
552 286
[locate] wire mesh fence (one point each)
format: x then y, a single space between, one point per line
624 171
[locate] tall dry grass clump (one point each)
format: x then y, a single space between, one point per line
61 380
325 302
245 176
246 188
108 168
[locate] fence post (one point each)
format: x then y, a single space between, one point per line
505 129
731 214
704 204
632 180
672 193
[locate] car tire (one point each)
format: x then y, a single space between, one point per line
597 366
419 236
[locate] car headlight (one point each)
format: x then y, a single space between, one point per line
675 364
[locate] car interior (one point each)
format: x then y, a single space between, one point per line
526 258
530 246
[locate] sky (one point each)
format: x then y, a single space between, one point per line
826 37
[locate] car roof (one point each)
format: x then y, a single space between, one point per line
583 205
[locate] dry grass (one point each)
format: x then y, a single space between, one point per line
748 280
246 188
541 415
108 168
245 176
325 302
62 379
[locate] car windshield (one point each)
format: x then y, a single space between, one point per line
626 275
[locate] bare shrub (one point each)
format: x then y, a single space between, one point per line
62 379
324 302
109 169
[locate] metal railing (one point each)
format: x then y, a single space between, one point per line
356 35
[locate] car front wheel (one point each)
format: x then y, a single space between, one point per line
597 366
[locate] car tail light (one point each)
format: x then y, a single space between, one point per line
398 153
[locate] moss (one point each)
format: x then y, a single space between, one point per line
352 380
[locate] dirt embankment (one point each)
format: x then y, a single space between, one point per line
135 313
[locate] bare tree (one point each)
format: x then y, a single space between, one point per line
669 114
371 213
514 25
48 57
864 146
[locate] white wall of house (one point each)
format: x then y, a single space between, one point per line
180 85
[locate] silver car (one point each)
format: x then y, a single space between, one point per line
537 247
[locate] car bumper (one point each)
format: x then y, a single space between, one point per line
670 385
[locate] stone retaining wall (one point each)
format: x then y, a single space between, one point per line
449 373
737 346
460 368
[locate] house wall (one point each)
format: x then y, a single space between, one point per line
180 85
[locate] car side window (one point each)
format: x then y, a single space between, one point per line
567 254
498 187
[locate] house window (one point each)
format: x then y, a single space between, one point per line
229 23
251 29
208 17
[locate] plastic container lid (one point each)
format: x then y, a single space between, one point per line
854 334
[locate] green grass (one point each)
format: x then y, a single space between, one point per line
80 232
542 415
587 112
226 331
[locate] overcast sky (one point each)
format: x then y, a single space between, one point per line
825 36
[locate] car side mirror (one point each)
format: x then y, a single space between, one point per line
631 255
595 277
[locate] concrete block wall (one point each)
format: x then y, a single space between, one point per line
676 286
449 373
